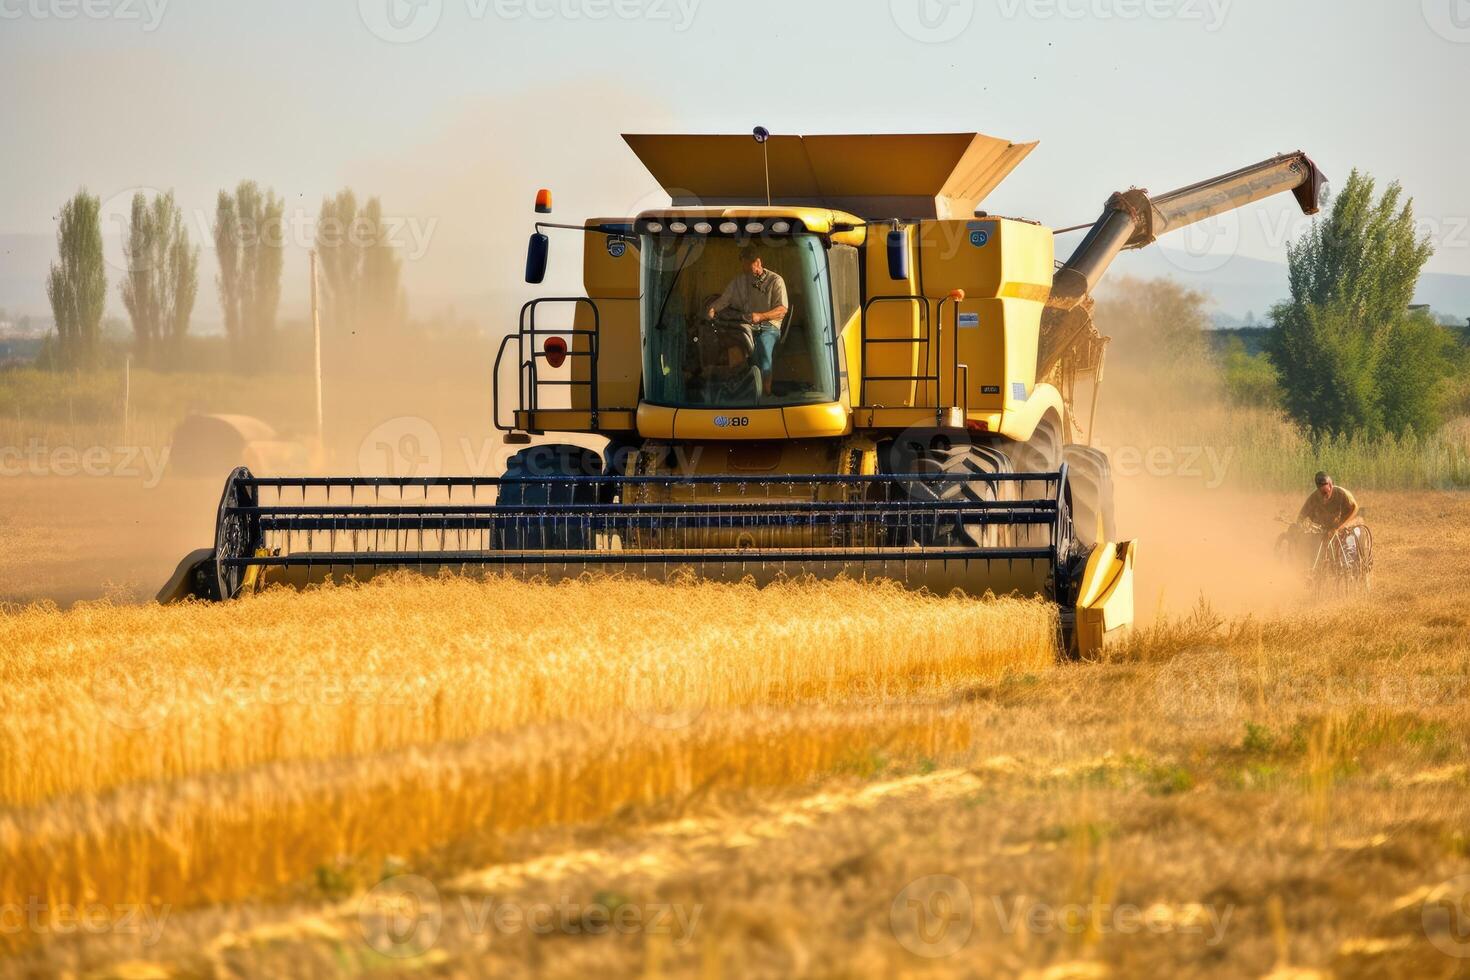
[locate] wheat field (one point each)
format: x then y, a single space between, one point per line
149 750
815 779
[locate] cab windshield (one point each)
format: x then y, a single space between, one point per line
714 334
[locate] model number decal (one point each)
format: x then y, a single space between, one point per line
732 421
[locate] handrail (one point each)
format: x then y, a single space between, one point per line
865 340
528 381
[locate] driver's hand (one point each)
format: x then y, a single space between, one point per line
711 312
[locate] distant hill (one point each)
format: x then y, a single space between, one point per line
1244 285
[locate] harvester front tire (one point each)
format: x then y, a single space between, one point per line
939 457
1090 476
540 466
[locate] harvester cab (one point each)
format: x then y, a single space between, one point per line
820 358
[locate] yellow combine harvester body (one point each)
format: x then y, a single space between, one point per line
907 414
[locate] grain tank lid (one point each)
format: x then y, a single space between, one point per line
923 175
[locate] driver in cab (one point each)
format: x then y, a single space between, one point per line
759 294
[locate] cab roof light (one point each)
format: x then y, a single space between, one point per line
543 201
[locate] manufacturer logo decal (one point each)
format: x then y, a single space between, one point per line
990 389
731 421
969 320
980 232
616 247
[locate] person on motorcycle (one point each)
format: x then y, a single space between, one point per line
1327 510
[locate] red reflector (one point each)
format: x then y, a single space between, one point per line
556 351
975 425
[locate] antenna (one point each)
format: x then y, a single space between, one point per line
762 134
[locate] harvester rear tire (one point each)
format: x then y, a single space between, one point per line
540 466
1090 476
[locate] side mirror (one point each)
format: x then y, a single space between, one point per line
537 253
898 255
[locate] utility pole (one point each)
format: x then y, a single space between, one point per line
316 332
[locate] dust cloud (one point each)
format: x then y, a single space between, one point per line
1171 433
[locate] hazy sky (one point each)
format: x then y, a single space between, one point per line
456 110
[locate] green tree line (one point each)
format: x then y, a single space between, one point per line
1350 355
362 292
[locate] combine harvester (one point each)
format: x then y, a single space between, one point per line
918 420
